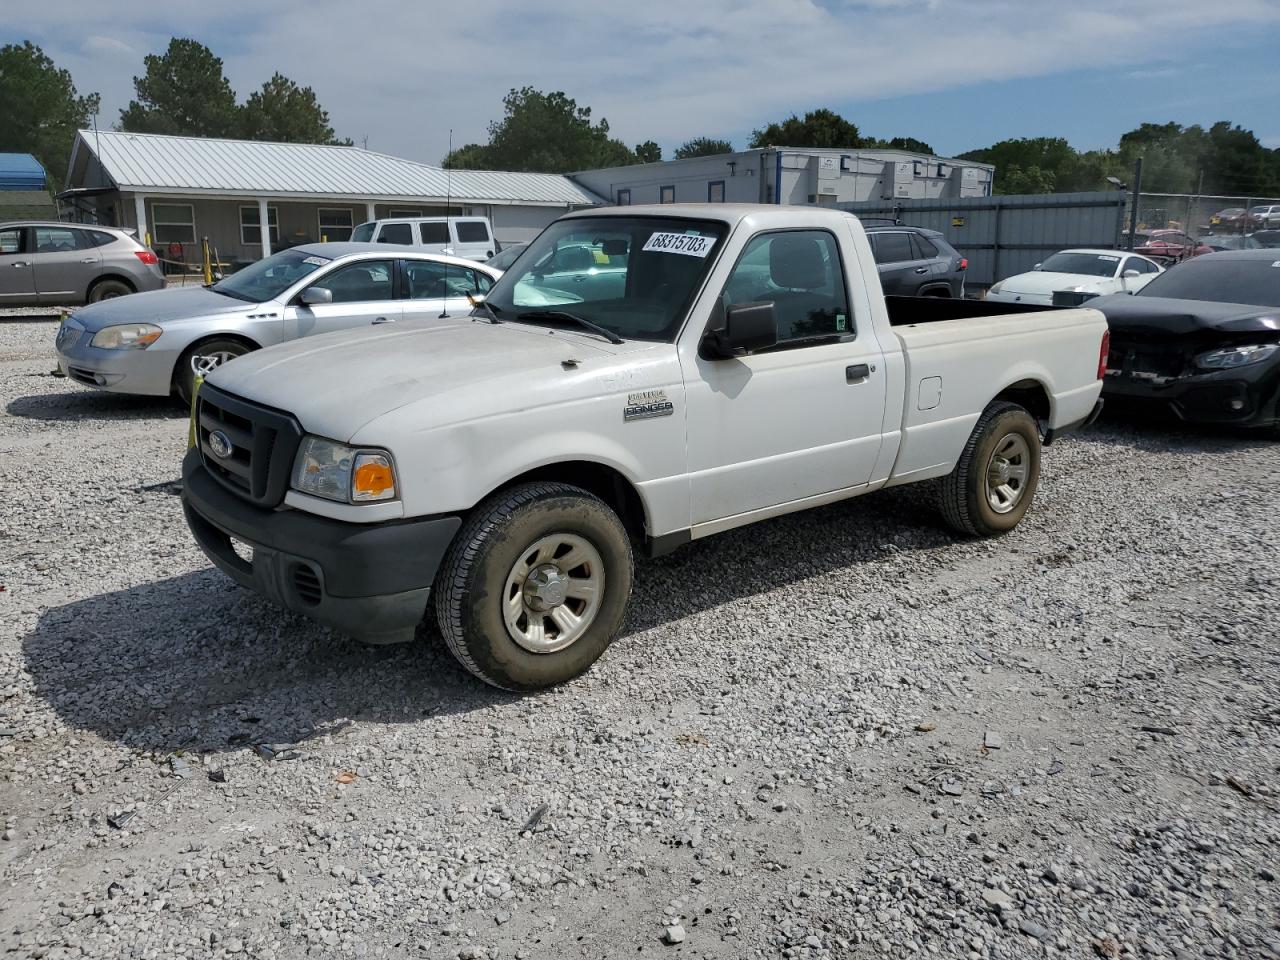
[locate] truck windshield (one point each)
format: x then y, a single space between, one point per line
1243 279
633 276
268 278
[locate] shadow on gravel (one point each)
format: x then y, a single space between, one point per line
194 662
86 404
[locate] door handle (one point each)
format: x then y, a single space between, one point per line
21 263
922 269
383 320
88 260
856 372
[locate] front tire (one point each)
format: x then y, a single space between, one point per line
220 351
535 586
995 479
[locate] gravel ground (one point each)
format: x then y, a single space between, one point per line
840 734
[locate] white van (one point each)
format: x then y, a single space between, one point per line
469 237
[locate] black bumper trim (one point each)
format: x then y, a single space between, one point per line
368 580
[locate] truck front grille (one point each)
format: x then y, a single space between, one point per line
253 451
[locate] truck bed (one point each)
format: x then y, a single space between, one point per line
908 311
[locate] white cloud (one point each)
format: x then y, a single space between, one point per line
107 47
667 69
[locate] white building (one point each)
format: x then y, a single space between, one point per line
793 175
178 190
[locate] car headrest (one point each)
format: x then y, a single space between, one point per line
795 263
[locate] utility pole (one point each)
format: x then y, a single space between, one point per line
1137 196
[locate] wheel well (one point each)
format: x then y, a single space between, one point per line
942 291
605 482
1030 394
98 281
213 336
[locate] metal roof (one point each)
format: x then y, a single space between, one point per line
21 171
152 163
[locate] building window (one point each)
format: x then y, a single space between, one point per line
624 198
715 191
251 230
335 223
403 212
667 194
173 223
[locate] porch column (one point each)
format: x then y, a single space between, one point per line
140 212
264 228
370 213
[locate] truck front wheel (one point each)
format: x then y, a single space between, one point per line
535 586
995 478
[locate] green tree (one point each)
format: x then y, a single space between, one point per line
909 144
182 91
648 152
818 128
544 133
40 110
702 147
284 112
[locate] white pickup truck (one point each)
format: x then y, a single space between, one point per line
640 377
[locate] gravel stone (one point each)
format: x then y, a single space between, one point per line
798 661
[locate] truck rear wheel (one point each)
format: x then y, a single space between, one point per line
535 586
995 478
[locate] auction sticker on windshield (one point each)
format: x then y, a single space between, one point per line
689 244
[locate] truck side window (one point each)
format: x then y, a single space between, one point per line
800 273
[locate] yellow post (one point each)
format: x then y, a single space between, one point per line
208 262
192 434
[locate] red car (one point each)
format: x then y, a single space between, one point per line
1232 219
1168 246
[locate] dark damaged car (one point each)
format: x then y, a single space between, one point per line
1201 340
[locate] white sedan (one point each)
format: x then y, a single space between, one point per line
1076 276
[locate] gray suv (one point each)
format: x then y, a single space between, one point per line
915 262
47 263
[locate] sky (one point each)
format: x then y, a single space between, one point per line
958 74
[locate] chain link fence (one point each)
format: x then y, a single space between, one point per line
1200 216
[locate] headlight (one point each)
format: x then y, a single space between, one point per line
336 471
1236 356
126 336
995 287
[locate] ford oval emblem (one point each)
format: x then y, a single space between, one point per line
220 445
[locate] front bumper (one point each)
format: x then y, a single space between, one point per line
1244 397
370 581
148 372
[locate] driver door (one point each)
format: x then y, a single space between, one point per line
363 295
801 419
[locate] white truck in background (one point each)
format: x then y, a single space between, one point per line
642 377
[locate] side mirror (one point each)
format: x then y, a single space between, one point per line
315 295
747 327
1037 266
1130 274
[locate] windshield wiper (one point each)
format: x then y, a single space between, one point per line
572 318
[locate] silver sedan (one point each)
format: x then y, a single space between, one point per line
144 344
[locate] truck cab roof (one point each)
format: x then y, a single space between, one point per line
730 213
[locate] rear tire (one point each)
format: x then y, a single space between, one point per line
108 290
995 479
223 348
535 586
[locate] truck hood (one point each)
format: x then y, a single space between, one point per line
1158 317
336 383
157 306
1039 282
